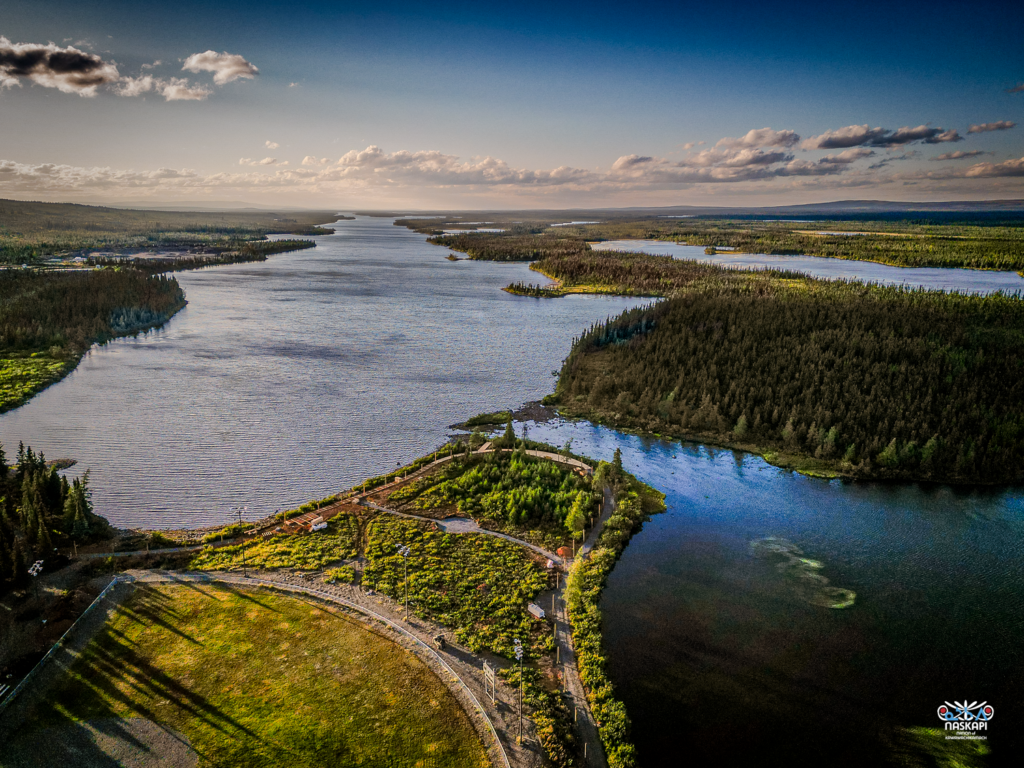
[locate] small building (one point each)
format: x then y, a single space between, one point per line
535 610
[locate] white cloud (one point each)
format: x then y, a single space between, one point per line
264 161
172 89
761 137
959 155
272 145
988 170
1000 125
226 67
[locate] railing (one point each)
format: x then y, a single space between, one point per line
59 644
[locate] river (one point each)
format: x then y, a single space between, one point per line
980 281
296 377
293 378
721 653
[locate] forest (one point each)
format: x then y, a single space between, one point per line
39 512
30 232
974 241
49 319
860 380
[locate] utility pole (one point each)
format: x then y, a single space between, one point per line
34 571
519 657
245 567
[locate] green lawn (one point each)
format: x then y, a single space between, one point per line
257 679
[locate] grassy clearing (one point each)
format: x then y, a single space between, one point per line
305 551
262 680
22 377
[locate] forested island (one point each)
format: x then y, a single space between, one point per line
953 239
828 377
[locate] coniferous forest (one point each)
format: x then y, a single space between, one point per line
868 381
49 319
39 512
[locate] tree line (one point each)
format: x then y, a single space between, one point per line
871 380
40 511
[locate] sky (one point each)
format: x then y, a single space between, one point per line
512 105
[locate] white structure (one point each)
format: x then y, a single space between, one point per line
536 610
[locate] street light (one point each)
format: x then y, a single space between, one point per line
240 511
518 655
404 552
34 571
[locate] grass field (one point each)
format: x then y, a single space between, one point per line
307 552
255 679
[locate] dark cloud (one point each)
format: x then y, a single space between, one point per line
68 69
1000 125
959 155
894 159
848 156
863 136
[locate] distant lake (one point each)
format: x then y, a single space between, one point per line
968 280
294 378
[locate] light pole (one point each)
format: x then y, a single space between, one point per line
34 571
404 552
240 511
519 658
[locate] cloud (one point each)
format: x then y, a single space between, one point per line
264 161
172 89
69 70
847 156
1001 125
310 160
272 145
909 155
1019 88
989 170
226 67
863 136
761 137
850 136
154 65
959 155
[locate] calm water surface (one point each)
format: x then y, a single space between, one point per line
967 280
299 376
720 658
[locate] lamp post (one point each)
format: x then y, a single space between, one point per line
404 552
240 511
34 571
518 655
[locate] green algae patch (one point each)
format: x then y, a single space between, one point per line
803 573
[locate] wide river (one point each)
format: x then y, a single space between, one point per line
294 378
